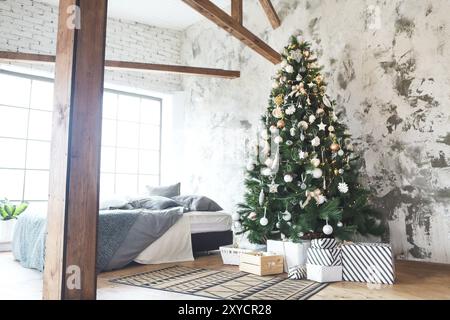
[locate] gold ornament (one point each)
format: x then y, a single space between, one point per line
335 147
281 124
336 172
278 100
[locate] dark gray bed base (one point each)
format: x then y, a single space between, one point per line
210 241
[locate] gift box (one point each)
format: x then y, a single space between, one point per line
324 257
368 262
324 243
297 273
295 254
261 263
323 274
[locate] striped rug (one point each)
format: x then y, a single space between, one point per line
225 285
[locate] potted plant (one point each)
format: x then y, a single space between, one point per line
8 216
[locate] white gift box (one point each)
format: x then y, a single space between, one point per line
323 274
295 254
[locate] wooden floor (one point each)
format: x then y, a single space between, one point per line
415 280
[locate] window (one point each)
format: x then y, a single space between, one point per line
131 139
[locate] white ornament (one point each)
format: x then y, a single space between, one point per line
261 197
288 178
273 130
269 162
327 229
315 162
252 216
321 199
322 126
287 216
326 101
264 221
299 77
340 153
266 172
343 187
277 113
273 187
290 111
317 173
315 142
265 135
283 236
275 85
236 216
250 166
278 140
312 118
301 234
340 224
303 154
289 69
293 132
331 128
303 124
289 143
278 225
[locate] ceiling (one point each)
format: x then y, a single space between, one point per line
172 14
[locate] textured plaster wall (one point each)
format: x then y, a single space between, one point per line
388 66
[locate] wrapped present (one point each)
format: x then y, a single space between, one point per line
297 273
324 243
368 262
323 274
294 253
324 257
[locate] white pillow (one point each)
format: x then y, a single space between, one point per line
113 201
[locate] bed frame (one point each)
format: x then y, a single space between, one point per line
211 241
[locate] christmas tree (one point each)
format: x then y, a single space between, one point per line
302 181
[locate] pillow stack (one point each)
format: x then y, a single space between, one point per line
324 263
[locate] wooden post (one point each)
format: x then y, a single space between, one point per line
237 10
75 158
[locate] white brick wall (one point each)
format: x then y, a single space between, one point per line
30 26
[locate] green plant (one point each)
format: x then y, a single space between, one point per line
9 211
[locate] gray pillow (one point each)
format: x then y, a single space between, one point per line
197 203
154 203
164 191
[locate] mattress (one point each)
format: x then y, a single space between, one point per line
203 221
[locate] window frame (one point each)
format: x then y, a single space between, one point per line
139 123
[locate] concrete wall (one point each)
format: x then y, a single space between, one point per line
388 66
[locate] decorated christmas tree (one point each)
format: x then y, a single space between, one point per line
302 179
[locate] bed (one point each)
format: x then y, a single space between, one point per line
140 235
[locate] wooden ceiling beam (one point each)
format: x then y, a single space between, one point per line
126 65
237 10
232 26
271 13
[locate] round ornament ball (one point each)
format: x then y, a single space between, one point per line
273 129
287 216
303 124
289 143
320 111
278 140
327 229
317 173
312 118
315 162
252 216
315 142
281 124
340 224
236 216
341 153
288 178
335 147
331 129
277 113
264 221
250 166
278 225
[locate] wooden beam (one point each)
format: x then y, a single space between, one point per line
237 10
226 22
271 13
135 66
70 264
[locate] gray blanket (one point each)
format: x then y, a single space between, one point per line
122 236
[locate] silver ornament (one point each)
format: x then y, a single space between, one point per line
327 229
289 143
340 224
340 153
293 132
264 221
287 216
261 197
288 178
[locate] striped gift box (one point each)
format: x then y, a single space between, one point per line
324 243
324 257
368 262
